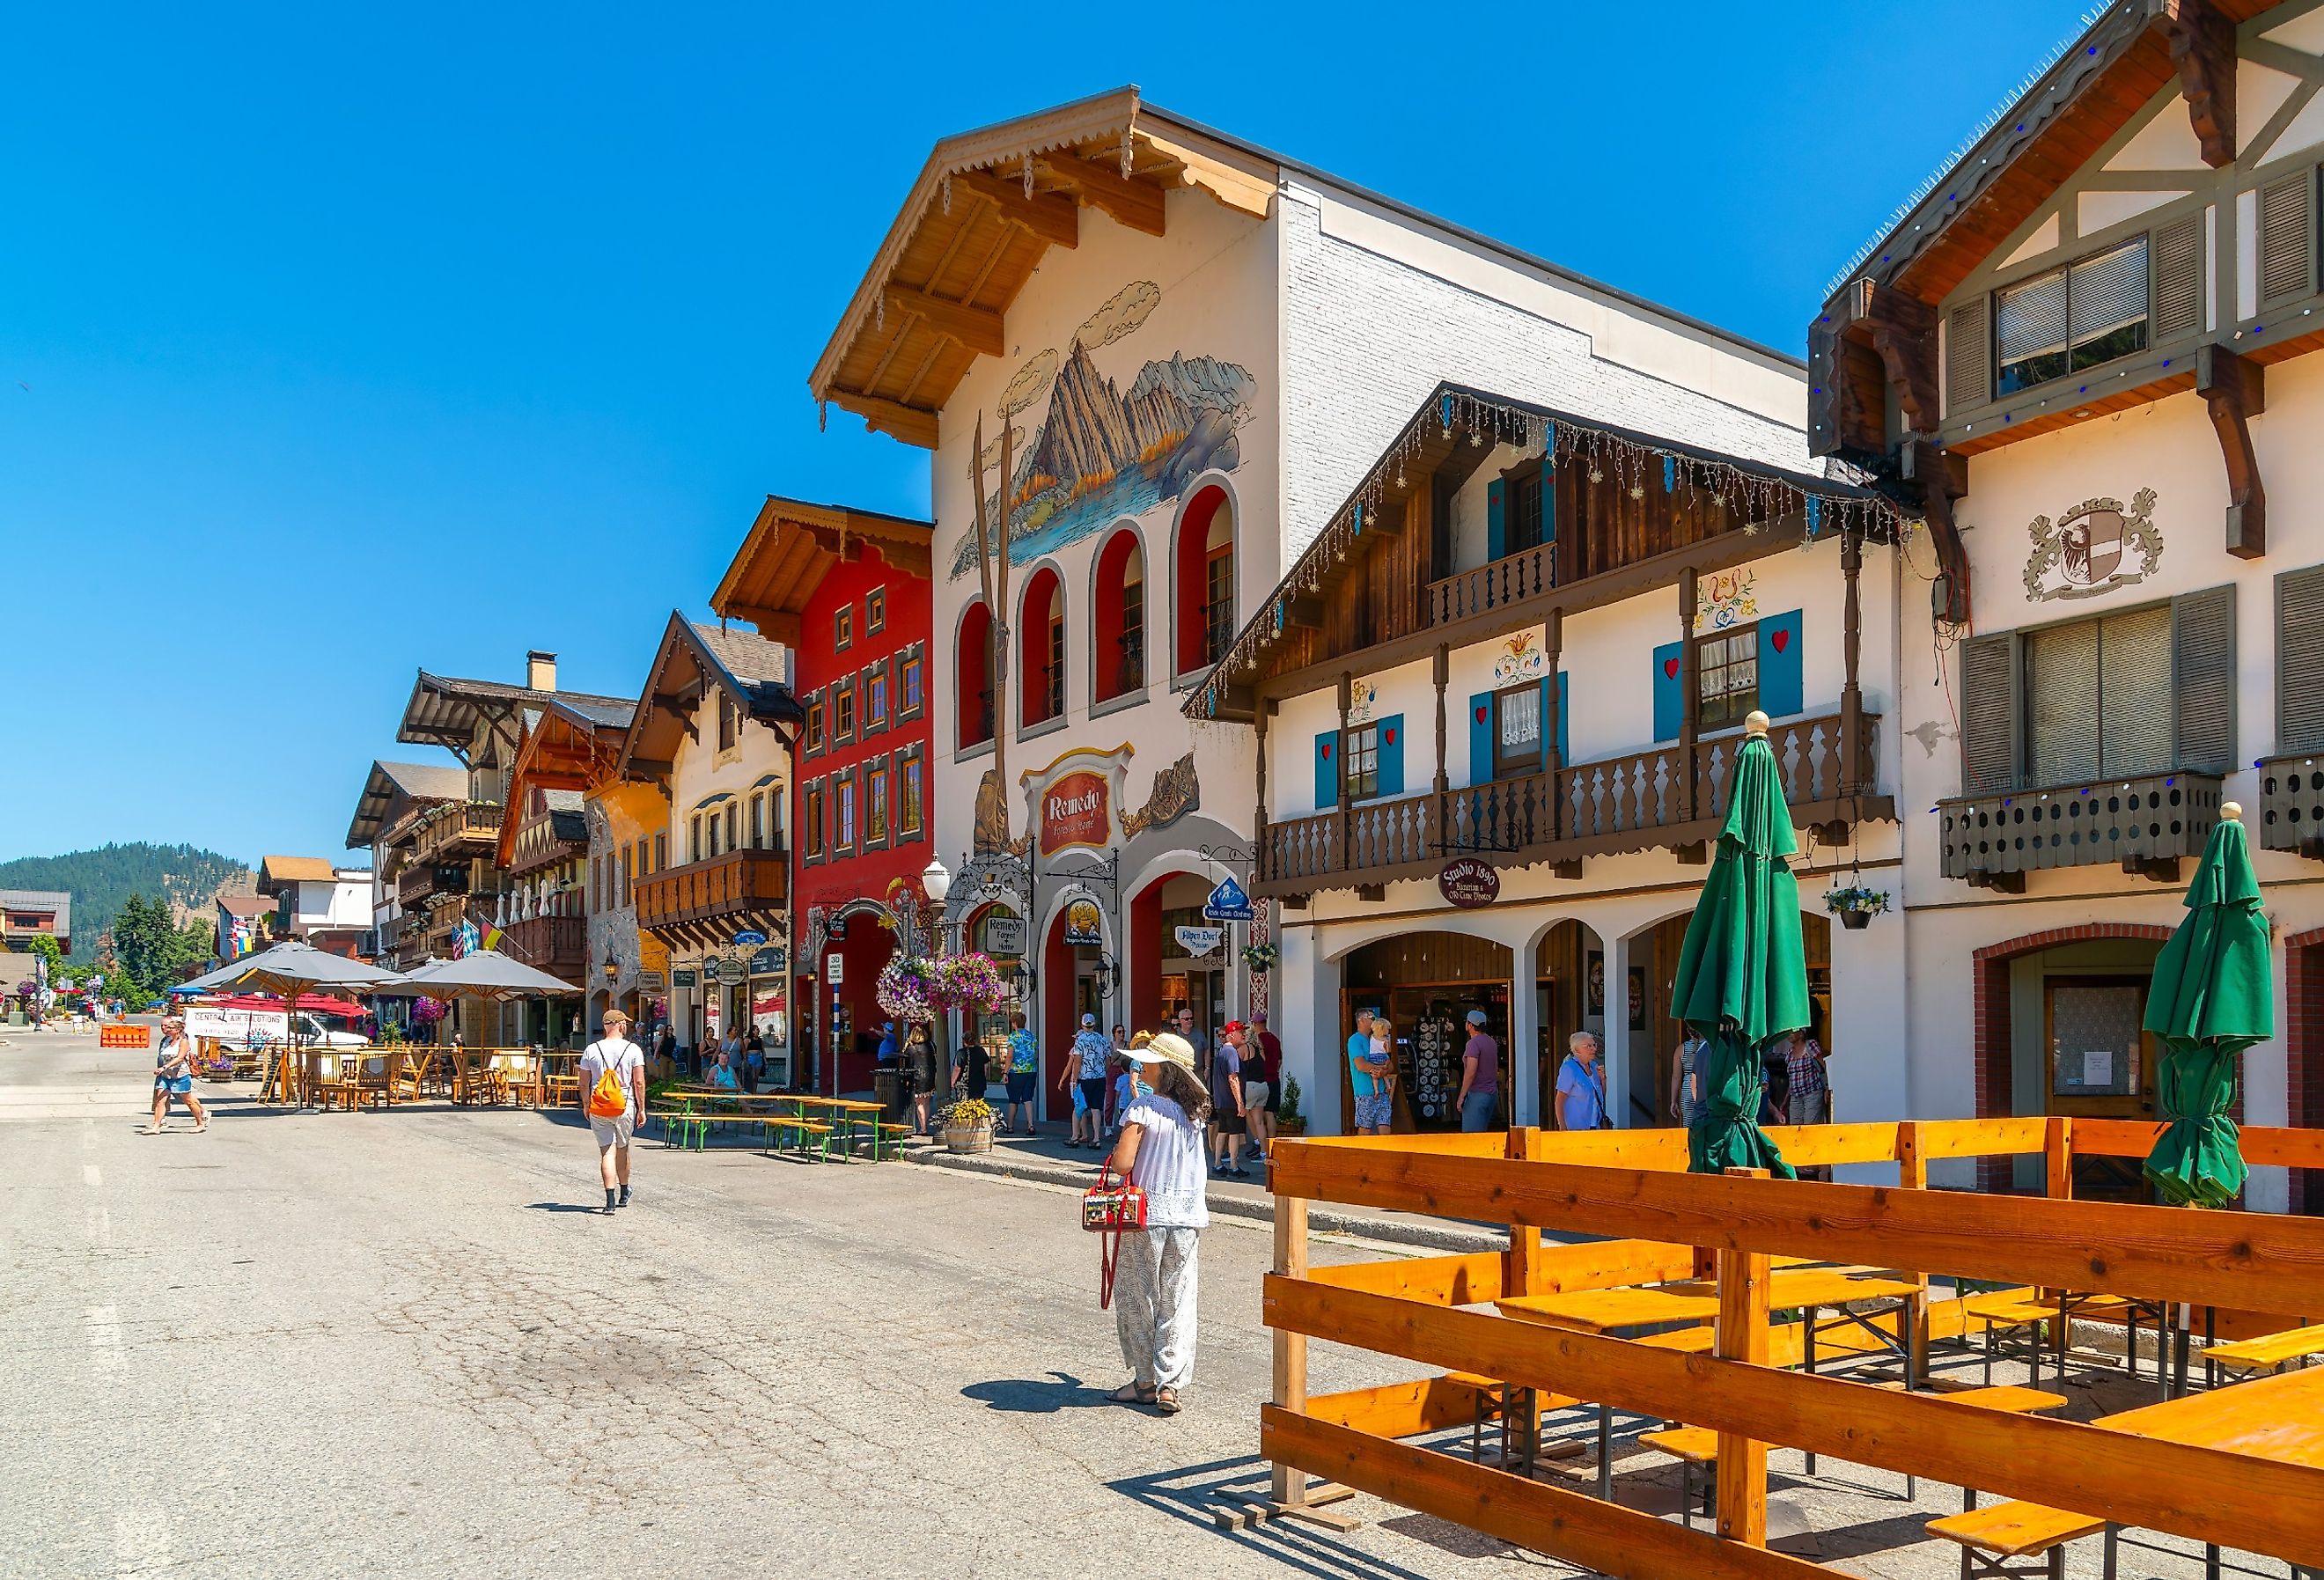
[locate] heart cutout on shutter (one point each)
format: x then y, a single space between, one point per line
1780 638
1389 736
1326 750
1670 667
1481 715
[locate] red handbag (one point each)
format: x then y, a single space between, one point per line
1110 1209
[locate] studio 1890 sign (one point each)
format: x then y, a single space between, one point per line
1468 882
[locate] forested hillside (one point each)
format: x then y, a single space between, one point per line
102 881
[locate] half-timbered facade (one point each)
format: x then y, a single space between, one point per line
716 731
1178 352
1496 702
2086 354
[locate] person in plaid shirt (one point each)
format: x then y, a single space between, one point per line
1807 1096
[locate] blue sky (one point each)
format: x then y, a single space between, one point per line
333 346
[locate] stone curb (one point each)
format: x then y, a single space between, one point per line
1432 1235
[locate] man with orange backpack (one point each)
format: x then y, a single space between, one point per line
613 1093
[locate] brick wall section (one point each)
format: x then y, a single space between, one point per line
1365 338
2303 1059
1990 1015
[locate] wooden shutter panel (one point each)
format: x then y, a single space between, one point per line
2177 271
1327 770
1669 702
1496 517
2299 659
1966 383
2287 236
2203 678
1480 738
1990 715
1391 755
1783 679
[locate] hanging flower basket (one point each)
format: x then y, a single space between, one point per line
971 981
1261 958
1855 904
910 988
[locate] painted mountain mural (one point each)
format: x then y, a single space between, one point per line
1099 453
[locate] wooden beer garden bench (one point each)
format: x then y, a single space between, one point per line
2272 1353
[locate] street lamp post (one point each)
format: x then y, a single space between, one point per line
935 886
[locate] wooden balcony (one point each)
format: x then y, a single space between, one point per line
1495 585
471 828
2144 824
2291 803
735 884
558 945
424 879
1644 800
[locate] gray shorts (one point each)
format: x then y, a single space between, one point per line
612 1133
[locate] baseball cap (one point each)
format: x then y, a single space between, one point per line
1259 1017
1165 1048
1234 1026
1477 1016
1089 1019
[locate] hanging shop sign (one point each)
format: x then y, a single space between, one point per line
1468 882
684 978
836 931
771 961
1004 936
749 939
649 981
1199 941
1076 813
731 970
1228 902
1085 924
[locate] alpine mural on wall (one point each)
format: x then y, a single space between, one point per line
1099 452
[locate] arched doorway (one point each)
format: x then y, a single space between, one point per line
1655 1036
1072 986
1164 976
1426 984
2058 1017
993 929
1569 985
862 941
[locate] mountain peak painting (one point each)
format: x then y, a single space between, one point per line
1100 453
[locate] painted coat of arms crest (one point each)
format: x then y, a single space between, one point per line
2088 551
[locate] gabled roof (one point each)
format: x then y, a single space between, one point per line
247 904
793 546
56 900
691 659
296 869
568 747
2047 132
444 711
988 204
390 785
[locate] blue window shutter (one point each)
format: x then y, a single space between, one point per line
1496 532
1391 755
1563 691
1480 738
1783 689
1327 770
1669 702
1548 505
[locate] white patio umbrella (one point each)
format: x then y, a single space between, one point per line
481 974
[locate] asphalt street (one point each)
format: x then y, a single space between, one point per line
309 1345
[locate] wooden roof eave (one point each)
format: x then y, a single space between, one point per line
794 544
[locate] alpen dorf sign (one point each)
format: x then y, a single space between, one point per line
1468 882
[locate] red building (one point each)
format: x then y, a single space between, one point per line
849 592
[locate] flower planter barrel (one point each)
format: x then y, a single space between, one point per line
962 1139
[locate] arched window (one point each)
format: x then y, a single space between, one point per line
972 670
1119 656
1205 592
1041 650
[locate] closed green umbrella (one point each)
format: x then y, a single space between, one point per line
2211 999
1742 975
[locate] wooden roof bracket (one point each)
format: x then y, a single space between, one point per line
1130 202
2234 388
2203 48
979 328
1052 216
1902 328
1943 478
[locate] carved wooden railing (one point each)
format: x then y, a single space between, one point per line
1632 802
2156 817
558 945
475 823
740 879
1523 575
2292 803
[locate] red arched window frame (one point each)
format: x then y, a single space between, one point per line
1041 655
1206 579
973 676
1119 657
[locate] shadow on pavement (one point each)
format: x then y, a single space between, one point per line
1027 1395
1190 1495
560 1206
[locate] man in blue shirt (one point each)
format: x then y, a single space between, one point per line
1581 1084
1024 1069
1368 1078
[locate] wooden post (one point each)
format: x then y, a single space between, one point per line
1851 695
1554 638
1340 754
1259 817
1290 1487
1443 667
1913 1174
1743 1336
1521 1266
1689 694
2058 1158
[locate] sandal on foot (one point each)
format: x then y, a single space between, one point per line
1166 1399
1131 1393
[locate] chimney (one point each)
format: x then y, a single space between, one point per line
539 671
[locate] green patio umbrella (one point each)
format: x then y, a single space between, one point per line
1742 976
2211 999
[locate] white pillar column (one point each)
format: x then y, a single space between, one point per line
1520 1072
1305 1014
1614 1036
1871 1074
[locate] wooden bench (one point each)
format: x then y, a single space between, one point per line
803 1135
2269 1352
681 1121
889 1141
1991 1537
1695 1448
1997 1313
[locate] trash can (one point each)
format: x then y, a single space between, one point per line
888 1091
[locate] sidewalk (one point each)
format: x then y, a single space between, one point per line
1045 1158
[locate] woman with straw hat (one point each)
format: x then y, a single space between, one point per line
1161 1152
